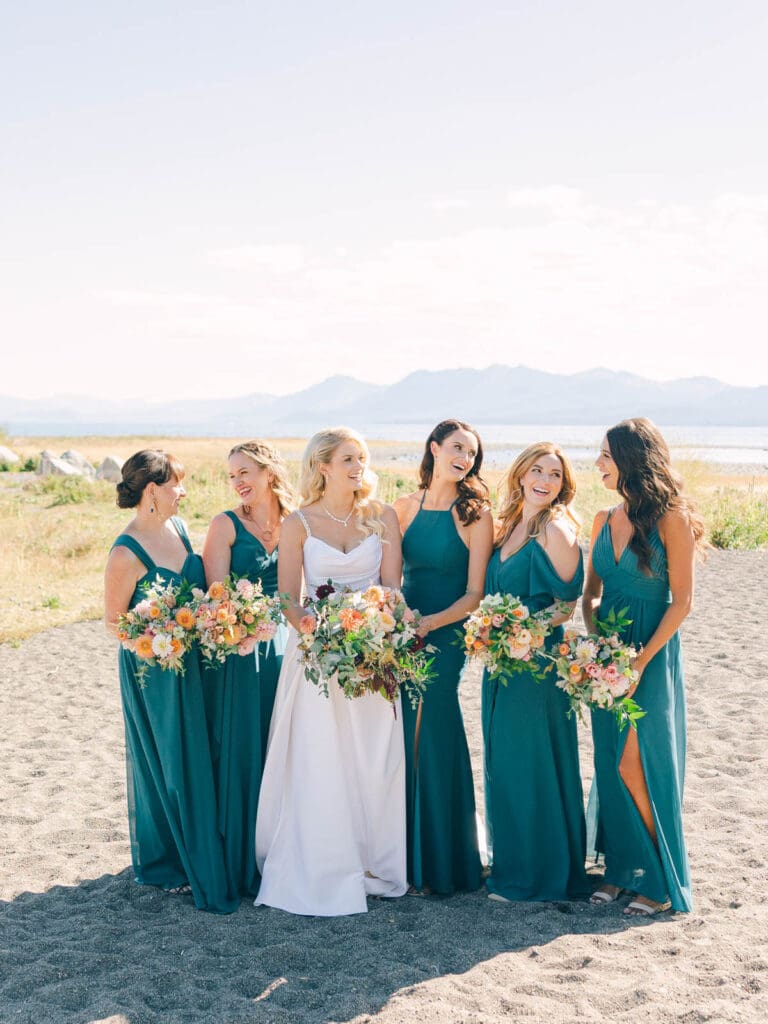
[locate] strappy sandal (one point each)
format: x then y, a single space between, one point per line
638 908
179 890
413 891
607 894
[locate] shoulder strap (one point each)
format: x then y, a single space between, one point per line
181 529
423 499
303 518
235 520
124 541
453 503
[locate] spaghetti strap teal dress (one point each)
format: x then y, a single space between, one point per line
171 795
534 804
240 696
442 831
616 829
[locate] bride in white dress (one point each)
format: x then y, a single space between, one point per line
330 828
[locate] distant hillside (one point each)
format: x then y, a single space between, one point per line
497 394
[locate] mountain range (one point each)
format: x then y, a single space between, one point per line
497 394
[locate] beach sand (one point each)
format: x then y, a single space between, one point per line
81 942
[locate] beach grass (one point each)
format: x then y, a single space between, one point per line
55 532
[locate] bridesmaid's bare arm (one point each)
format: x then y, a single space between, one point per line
217 550
290 568
123 572
593 585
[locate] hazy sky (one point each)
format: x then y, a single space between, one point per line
199 199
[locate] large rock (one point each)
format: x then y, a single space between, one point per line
7 456
79 462
111 468
51 466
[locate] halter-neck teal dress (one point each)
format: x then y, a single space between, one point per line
534 805
240 697
171 795
442 830
616 829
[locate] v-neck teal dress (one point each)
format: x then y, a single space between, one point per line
240 696
171 795
442 830
616 829
534 804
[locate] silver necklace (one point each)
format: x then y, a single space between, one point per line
342 522
266 531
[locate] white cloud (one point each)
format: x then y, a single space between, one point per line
282 258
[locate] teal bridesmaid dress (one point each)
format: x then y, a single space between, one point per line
442 830
616 829
171 794
239 698
534 803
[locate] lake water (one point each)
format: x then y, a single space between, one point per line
742 446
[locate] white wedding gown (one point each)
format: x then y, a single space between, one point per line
330 827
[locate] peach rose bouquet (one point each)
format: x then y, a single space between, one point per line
232 617
506 637
160 628
366 641
595 670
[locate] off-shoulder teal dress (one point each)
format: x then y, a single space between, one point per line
616 829
440 800
171 796
534 804
240 697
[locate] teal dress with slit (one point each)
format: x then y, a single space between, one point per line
632 861
534 804
443 851
239 698
171 797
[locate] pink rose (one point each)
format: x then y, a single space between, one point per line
592 670
307 624
266 630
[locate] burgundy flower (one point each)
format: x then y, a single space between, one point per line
417 643
325 590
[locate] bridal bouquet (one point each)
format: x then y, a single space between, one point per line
232 617
160 629
368 640
506 637
596 670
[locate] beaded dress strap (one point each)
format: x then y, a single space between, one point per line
303 518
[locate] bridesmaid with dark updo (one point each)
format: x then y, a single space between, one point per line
171 798
241 693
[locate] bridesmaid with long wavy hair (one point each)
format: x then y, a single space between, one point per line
642 558
533 795
447 538
240 694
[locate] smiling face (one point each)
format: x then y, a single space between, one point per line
606 467
343 473
251 481
166 497
542 482
455 456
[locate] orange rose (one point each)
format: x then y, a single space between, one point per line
563 649
175 645
185 617
478 645
350 619
216 591
154 612
222 614
144 647
233 635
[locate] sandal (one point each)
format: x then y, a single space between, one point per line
639 908
605 894
413 891
179 890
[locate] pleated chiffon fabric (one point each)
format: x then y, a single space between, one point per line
616 829
172 810
534 802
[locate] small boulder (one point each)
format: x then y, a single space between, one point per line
7 456
79 462
111 469
51 466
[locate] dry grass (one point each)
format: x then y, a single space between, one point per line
55 533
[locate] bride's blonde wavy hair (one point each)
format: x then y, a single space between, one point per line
267 457
511 511
319 452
